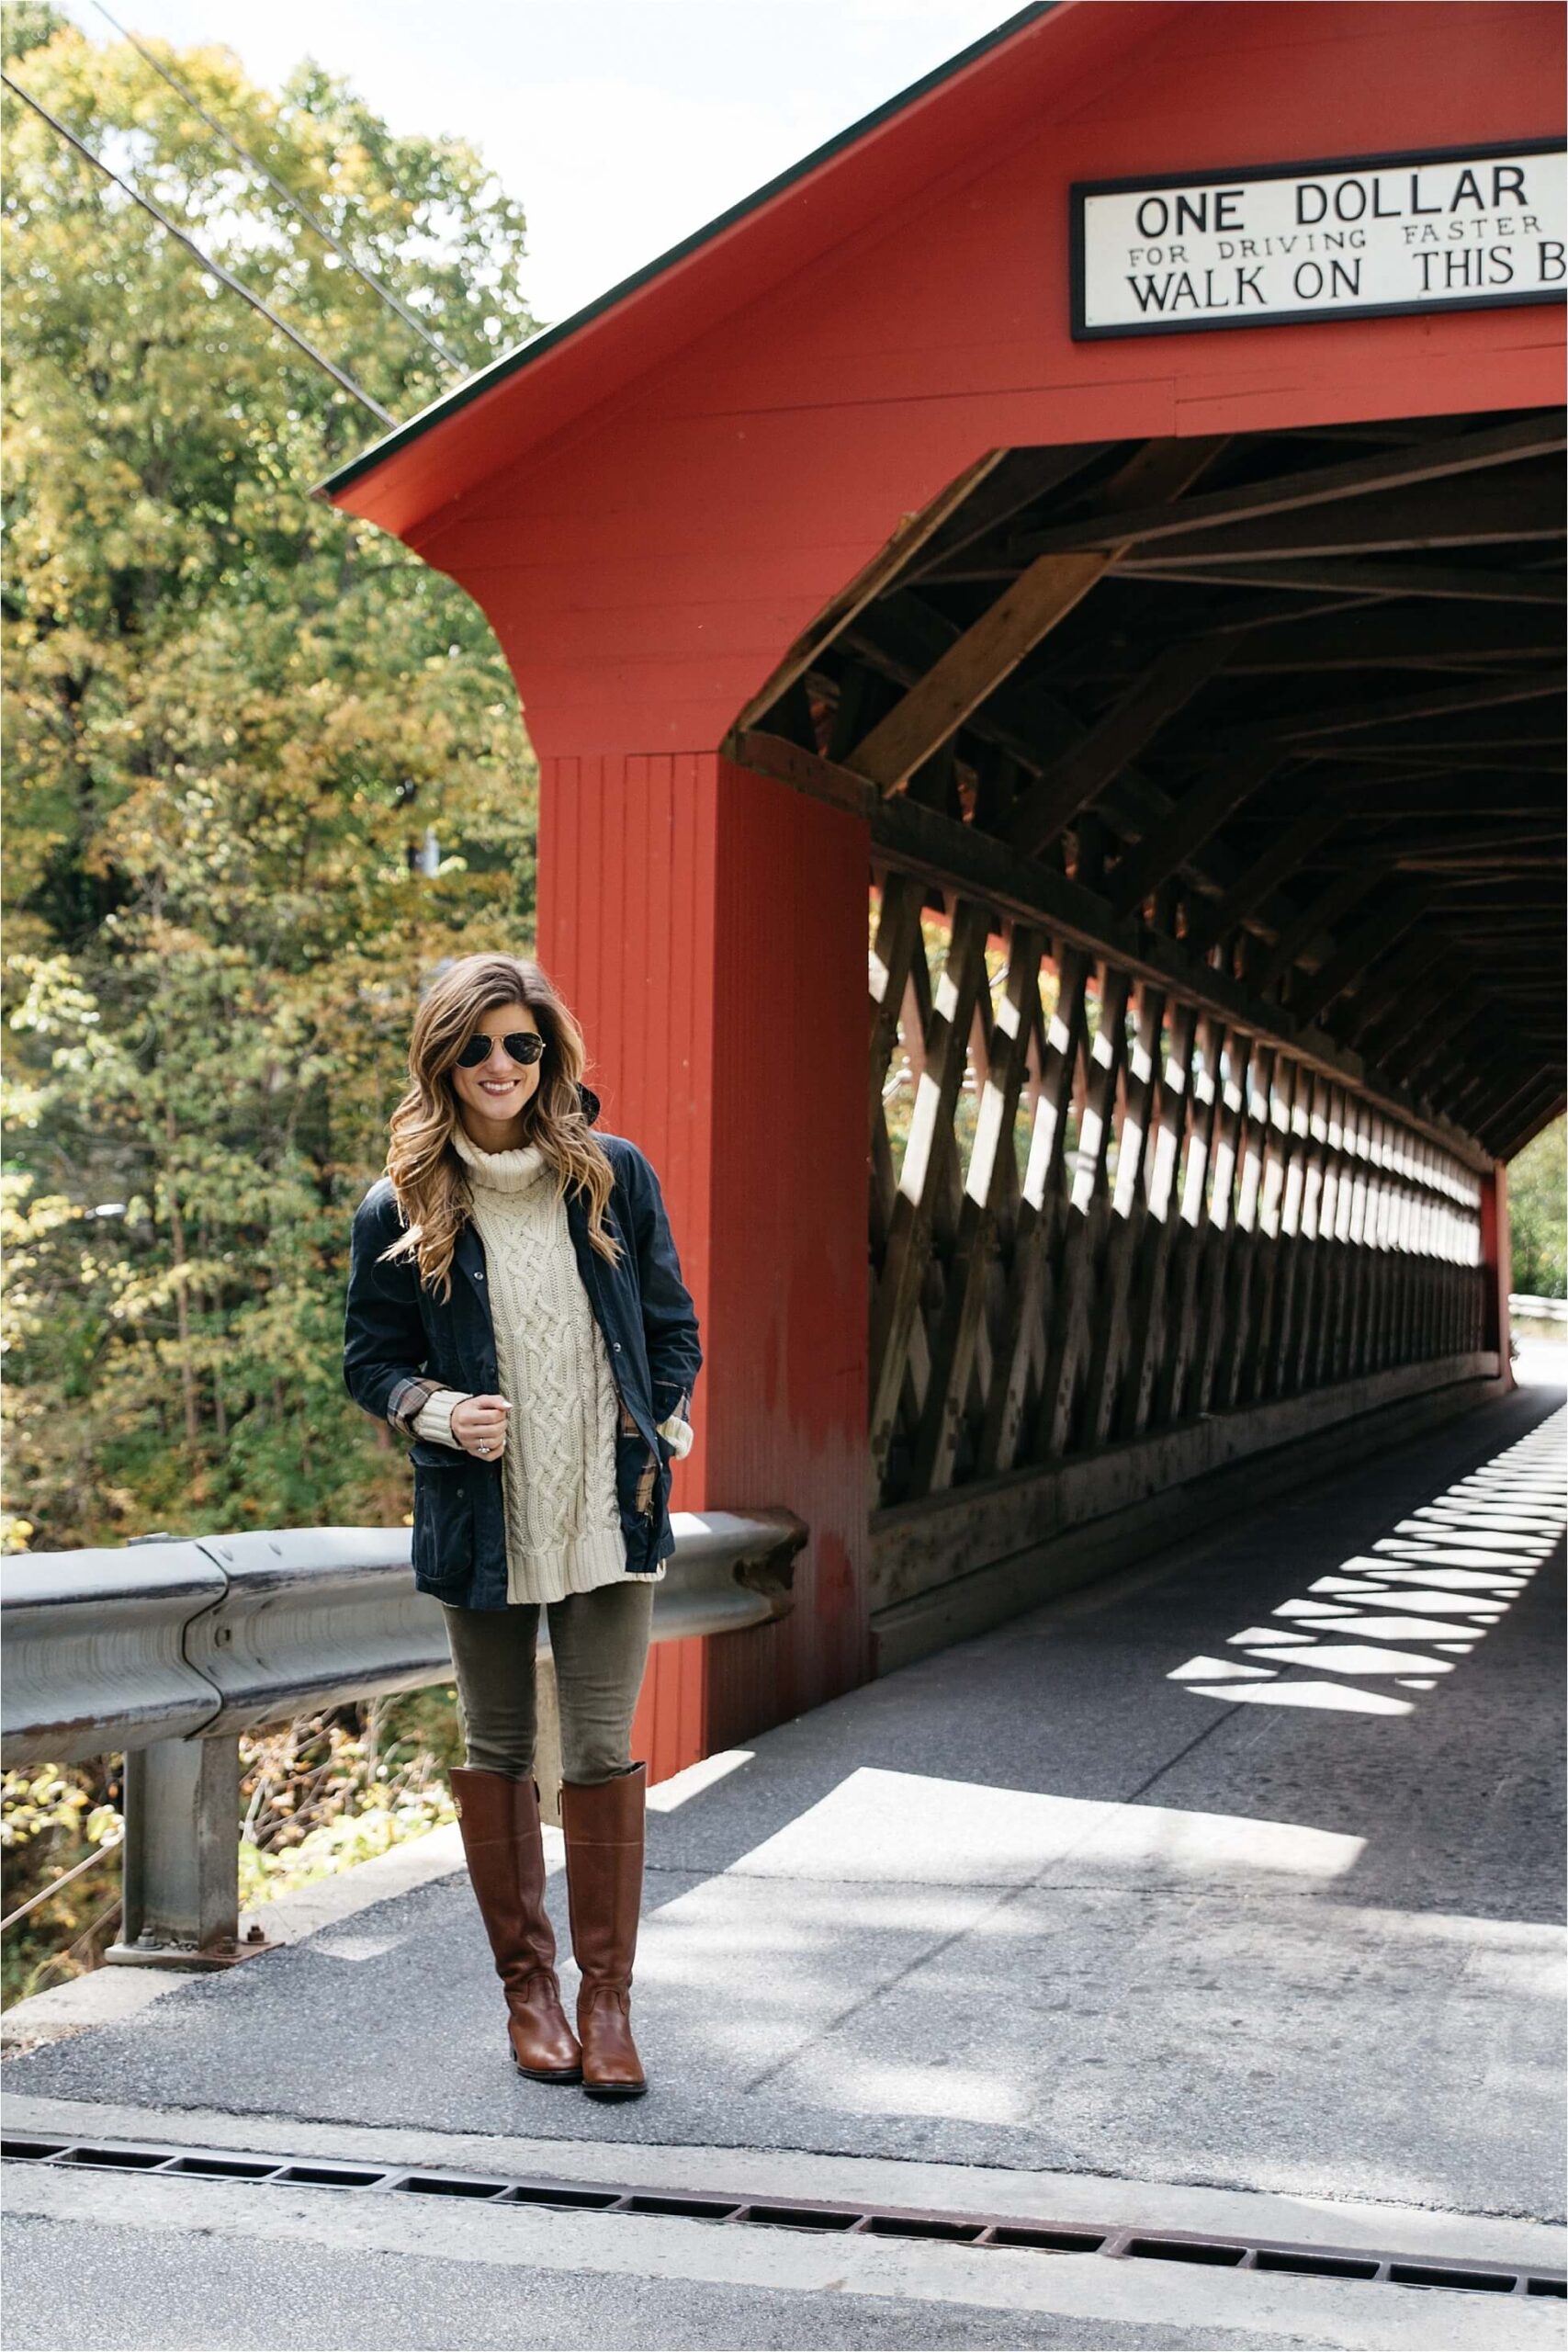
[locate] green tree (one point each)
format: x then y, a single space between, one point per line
1537 1214
232 714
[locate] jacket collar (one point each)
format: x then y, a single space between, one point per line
468 1250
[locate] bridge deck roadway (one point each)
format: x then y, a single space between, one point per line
1078 1898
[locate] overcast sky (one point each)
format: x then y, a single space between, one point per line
621 125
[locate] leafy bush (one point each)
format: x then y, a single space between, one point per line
1537 1214
235 719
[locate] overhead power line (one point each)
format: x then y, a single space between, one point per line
216 269
384 293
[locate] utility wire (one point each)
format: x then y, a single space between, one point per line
409 318
355 391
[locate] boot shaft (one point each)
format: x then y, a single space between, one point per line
498 1817
603 1823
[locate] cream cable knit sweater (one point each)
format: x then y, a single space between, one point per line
563 1522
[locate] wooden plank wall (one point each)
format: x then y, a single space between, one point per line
1097 1214
707 927
624 917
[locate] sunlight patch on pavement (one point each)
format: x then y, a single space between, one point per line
906 1829
959 2094
668 1796
1445 1577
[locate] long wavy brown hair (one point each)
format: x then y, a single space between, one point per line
429 1179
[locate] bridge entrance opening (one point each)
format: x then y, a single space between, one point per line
1217 852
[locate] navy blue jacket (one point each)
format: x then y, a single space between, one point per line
397 1332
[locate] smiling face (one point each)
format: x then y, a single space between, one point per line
493 1097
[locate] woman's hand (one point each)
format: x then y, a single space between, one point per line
478 1424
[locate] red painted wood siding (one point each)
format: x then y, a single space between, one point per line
1497 1256
709 929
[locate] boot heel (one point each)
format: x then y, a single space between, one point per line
546 2074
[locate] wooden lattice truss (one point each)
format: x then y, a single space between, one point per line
1097 1210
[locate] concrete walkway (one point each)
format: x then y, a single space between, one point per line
1120 1893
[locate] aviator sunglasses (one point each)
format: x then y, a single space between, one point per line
523 1045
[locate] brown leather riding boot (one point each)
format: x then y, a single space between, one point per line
603 1823
499 1817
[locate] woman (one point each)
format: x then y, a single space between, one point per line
515 1307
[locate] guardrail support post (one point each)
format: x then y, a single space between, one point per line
180 1864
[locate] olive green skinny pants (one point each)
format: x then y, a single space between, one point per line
600 1643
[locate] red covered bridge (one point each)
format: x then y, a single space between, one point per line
1161 643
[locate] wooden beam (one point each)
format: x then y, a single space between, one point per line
1400 637
972 667
1157 471
1393 470
991 1167
1385 998
1113 1310
1504 1095
1070 1333
1158 474
1195 818
1549 1105
1050 804
1312 998
1530 734
809 772
1447 1046
1524 852
911 533
1320 914
1445 994
1506 1074
893 949
1258 882
1040 1216
1496 792
927 1156
1323 574
1305 727
1020 477
1475 514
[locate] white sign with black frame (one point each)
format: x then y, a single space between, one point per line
1369 238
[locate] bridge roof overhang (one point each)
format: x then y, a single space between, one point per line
856 179
776 493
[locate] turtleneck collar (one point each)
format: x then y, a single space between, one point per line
499 1171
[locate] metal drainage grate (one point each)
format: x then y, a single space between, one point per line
955 2229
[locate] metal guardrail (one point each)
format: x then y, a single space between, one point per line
1546 1310
166 1651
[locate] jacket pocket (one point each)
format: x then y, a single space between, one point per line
443 1548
